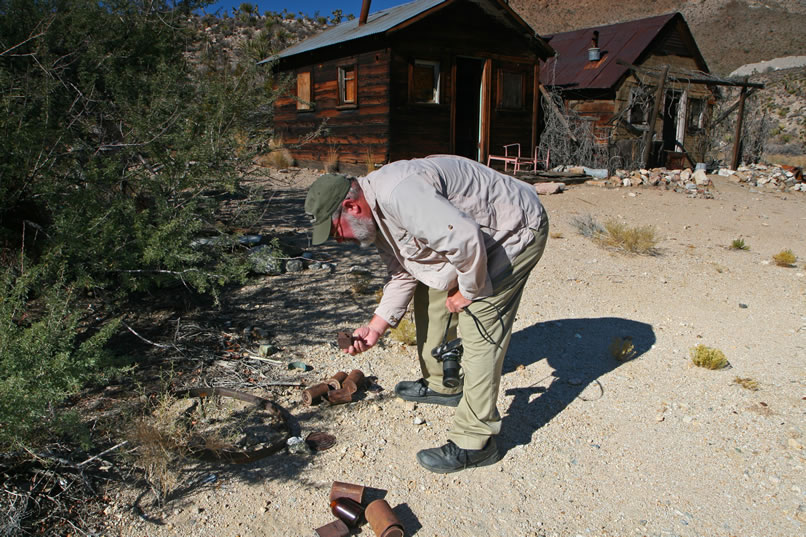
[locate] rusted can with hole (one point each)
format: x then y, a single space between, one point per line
335 381
314 394
354 381
383 520
347 490
337 528
338 397
347 510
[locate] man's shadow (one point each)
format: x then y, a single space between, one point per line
579 351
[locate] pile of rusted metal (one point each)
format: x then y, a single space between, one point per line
347 503
338 389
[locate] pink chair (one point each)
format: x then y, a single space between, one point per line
512 155
533 162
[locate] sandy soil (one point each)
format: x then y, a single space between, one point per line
592 446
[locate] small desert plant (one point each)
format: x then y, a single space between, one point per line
747 383
405 332
785 258
622 349
277 158
708 357
332 160
739 244
361 284
556 235
587 226
636 240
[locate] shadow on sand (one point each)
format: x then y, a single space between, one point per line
578 350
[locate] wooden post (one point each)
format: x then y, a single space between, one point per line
650 132
737 137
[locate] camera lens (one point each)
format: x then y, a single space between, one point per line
450 373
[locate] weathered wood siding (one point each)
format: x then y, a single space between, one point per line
463 30
352 135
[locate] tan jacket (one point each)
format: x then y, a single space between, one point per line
446 221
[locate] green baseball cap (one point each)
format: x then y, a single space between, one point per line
324 197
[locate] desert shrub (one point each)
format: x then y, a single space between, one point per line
747 383
332 160
785 258
113 162
277 158
635 239
43 359
587 226
405 332
708 357
739 244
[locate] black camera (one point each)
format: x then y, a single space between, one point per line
449 353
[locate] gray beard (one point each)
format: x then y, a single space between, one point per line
364 230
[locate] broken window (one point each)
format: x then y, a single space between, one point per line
640 105
424 82
348 85
696 111
511 89
304 94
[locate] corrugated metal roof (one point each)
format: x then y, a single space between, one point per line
625 41
378 23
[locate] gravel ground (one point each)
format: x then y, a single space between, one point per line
592 446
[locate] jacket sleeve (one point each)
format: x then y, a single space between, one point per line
397 292
433 222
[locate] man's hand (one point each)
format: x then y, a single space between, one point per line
367 336
364 338
456 302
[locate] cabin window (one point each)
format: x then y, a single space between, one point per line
304 94
696 111
424 82
640 105
511 90
348 85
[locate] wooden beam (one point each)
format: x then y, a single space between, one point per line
650 132
737 137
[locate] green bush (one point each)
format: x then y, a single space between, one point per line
118 145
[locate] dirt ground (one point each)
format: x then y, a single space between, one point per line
592 446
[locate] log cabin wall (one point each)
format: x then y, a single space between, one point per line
351 133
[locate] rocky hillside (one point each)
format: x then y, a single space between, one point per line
729 33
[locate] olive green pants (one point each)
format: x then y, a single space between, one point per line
485 344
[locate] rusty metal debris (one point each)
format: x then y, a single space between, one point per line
320 441
314 394
337 528
344 340
347 490
383 520
338 389
349 511
234 455
335 381
354 381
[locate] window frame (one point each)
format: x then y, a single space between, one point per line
436 86
696 125
342 86
633 110
501 102
305 103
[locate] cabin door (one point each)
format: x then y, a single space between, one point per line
671 107
468 101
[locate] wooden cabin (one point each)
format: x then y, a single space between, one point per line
612 75
428 77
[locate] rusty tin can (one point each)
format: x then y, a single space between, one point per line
347 490
314 394
354 381
335 381
337 397
383 520
337 528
